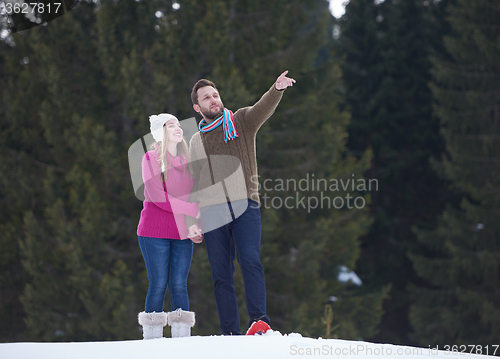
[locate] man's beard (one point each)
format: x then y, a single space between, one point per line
210 115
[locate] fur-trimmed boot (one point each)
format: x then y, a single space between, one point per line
152 324
181 322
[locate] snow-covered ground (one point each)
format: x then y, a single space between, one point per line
271 345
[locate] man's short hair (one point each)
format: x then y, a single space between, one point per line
201 83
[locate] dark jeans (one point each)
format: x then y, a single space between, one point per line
241 235
167 262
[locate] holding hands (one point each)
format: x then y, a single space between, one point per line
195 234
283 82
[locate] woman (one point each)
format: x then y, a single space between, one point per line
166 242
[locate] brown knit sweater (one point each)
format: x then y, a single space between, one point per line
230 170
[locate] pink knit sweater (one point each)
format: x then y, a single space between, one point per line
165 206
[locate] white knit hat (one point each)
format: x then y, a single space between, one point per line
157 122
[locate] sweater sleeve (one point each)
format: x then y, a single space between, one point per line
256 115
155 191
195 157
195 164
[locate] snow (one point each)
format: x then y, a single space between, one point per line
345 275
270 345
337 7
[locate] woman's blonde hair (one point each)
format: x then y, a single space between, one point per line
164 156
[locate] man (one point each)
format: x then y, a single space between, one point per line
224 161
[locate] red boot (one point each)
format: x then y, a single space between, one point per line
259 327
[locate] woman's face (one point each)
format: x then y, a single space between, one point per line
174 131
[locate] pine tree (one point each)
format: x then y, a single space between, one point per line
73 242
461 265
16 190
93 77
386 71
303 249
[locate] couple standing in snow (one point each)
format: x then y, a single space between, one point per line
204 187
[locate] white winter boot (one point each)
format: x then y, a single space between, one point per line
181 322
152 324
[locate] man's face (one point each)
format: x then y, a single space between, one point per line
209 103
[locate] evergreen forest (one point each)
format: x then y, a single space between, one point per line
379 172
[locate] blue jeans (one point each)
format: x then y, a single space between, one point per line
167 262
240 235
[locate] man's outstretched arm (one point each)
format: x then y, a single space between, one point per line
257 114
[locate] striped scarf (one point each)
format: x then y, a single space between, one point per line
228 125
